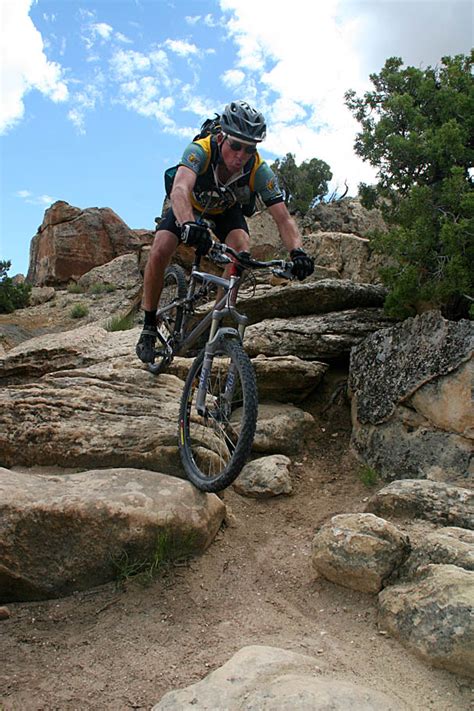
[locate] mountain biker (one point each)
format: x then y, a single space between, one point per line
218 176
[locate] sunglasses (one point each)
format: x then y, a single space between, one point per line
237 146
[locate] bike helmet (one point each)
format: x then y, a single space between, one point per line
242 121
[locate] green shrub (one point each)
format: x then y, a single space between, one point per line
120 323
74 288
168 548
417 128
368 476
99 288
12 296
79 310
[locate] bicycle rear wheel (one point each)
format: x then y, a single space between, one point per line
169 323
214 446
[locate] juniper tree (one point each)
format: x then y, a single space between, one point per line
418 130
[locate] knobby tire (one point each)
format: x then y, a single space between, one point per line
174 287
202 439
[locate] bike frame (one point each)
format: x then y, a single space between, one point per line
213 319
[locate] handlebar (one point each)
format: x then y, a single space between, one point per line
219 253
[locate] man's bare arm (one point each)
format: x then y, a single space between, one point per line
287 228
183 186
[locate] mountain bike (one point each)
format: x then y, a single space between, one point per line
219 404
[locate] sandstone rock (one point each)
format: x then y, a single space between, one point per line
120 273
391 365
281 428
433 617
350 256
358 551
408 446
61 534
440 503
111 414
69 349
284 379
447 402
314 337
96 405
308 298
41 294
272 679
345 215
71 241
450 546
265 477
412 410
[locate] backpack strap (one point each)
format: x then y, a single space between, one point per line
206 145
257 163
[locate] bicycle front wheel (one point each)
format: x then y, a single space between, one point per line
169 322
215 442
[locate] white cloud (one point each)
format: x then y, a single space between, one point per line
85 100
125 64
24 65
192 20
233 78
102 29
123 38
181 47
303 61
32 199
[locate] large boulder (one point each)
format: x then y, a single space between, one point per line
314 337
412 410
272 679
120 273
71 241
59 534
83 398
437 502
346 215
358 551
432 616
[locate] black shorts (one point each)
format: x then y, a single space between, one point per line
231 219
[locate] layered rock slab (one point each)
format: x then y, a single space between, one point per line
314 337
59 534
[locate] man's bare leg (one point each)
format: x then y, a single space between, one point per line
163 247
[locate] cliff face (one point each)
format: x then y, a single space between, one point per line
71 241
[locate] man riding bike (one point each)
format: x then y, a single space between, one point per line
218 176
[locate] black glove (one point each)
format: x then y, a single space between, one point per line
195 235
303 265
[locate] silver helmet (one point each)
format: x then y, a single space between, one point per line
239 119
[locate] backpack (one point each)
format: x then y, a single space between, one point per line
211 126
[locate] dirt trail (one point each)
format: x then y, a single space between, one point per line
111 649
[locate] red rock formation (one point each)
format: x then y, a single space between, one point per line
72 241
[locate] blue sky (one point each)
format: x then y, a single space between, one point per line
100 96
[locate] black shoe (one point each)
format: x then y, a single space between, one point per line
145 347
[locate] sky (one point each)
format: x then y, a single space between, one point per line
99 97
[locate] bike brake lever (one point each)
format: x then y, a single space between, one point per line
218 257
284 273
